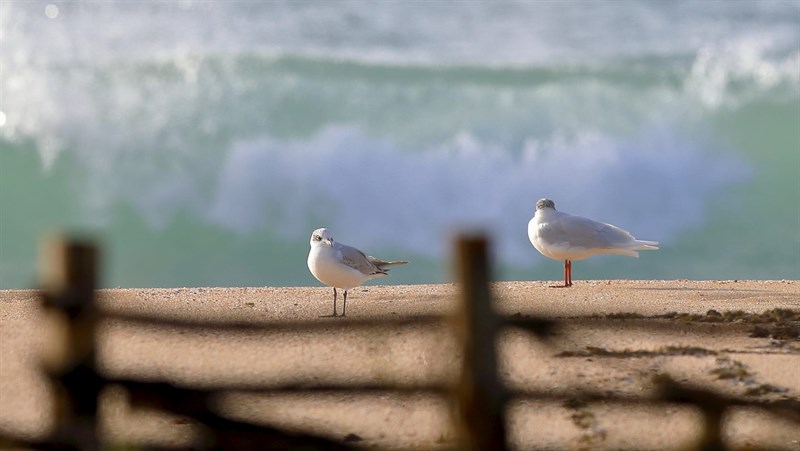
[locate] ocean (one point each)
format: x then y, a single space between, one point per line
201 142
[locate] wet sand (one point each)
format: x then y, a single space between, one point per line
615 337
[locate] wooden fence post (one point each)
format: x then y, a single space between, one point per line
711 404
68 280
480 396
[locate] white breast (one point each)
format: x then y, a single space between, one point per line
325 266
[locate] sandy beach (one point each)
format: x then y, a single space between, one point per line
615 336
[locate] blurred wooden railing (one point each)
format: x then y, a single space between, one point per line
479 398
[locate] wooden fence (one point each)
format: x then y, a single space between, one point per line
479 398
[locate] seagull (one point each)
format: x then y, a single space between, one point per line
562 236
341 266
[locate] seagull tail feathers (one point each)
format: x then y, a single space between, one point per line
642 245
381 264
631 248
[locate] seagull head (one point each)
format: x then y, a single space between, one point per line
321 237
545 203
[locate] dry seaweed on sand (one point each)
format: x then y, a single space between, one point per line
592 351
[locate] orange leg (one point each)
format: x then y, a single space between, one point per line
567 275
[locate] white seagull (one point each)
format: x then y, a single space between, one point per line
562 236
341 266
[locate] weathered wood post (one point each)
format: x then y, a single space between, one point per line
712 405
68 279
480 396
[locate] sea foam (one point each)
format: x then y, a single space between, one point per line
382 196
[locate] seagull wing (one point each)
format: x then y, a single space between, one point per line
580 232
356 259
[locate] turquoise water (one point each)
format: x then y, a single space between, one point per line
201 142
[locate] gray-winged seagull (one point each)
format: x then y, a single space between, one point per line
341 266
562 236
